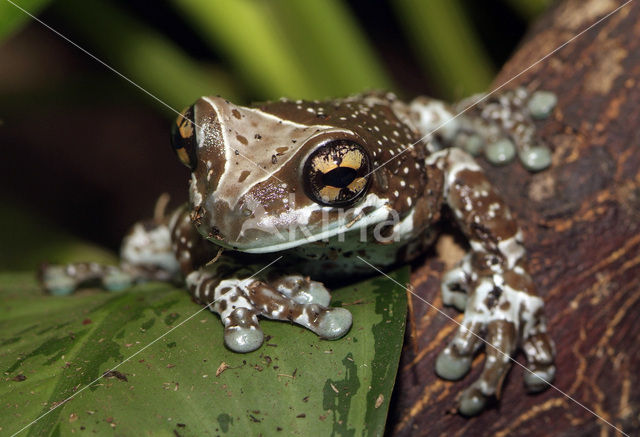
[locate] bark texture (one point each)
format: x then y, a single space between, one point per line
581 221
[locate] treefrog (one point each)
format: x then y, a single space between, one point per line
331 187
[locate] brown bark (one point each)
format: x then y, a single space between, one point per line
581 220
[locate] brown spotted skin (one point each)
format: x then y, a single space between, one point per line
323 184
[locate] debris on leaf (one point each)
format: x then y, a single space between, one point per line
221 368
115 374
379 401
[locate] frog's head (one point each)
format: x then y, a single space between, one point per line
287 173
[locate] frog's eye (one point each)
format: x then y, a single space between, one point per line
183 138
337 173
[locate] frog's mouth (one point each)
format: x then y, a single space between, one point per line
273 235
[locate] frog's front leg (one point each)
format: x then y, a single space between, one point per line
492 286
241 298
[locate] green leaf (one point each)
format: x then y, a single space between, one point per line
295 382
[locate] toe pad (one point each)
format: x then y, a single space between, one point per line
243 339
450 366
472 403
538 379
334 323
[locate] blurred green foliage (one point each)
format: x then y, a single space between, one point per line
12 17
309 49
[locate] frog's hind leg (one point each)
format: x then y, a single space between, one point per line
501 310
146 254
60 280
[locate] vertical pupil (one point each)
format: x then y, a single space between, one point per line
339 177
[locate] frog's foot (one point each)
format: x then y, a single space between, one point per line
503 126
503 319
61 280
456 283
239 302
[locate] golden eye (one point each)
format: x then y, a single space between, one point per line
337 173
183 138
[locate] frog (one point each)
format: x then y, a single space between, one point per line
330 189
